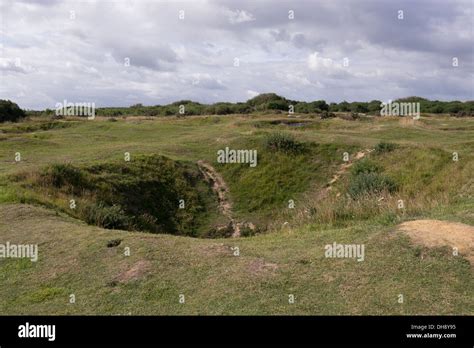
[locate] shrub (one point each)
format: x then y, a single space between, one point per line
264 98
283 142
112 217
461 114
384 147
302 107
60 175
247 231
113 243
318 106
10 111
223 108
277 105
325 115
364 167
369 183
355 115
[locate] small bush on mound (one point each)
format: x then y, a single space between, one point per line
370 183
10 111
283 142
365 166
383 147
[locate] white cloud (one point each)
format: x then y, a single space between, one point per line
315 62
252 94
239 16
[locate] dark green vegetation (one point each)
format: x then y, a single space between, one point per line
143 194
366 179
385 147
10 111
272 103
283 142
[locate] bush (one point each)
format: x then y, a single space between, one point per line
264 98
276 105
222 108
247 231
384 147
113 243
10 111
364 167
283 142
60 175
112 217
355 116
325 115
369 183
318 106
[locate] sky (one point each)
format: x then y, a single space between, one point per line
119 53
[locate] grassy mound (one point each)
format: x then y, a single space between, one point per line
286 169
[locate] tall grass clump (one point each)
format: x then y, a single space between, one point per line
366 179
365 166
283 142
65 176
370 183
384 147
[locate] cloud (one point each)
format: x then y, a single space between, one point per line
14 66
206 81
192 58
239 16
252 94
315 62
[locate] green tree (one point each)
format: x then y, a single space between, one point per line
10 111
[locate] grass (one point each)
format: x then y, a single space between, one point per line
76 258
216 282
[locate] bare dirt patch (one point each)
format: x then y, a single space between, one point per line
222 190
137 271
261 267
216 249
436 233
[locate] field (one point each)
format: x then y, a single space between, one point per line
427 169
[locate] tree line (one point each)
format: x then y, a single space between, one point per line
264 103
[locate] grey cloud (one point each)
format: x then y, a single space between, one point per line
174 59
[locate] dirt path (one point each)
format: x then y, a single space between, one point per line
343 168
218 186
221 189
435 233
